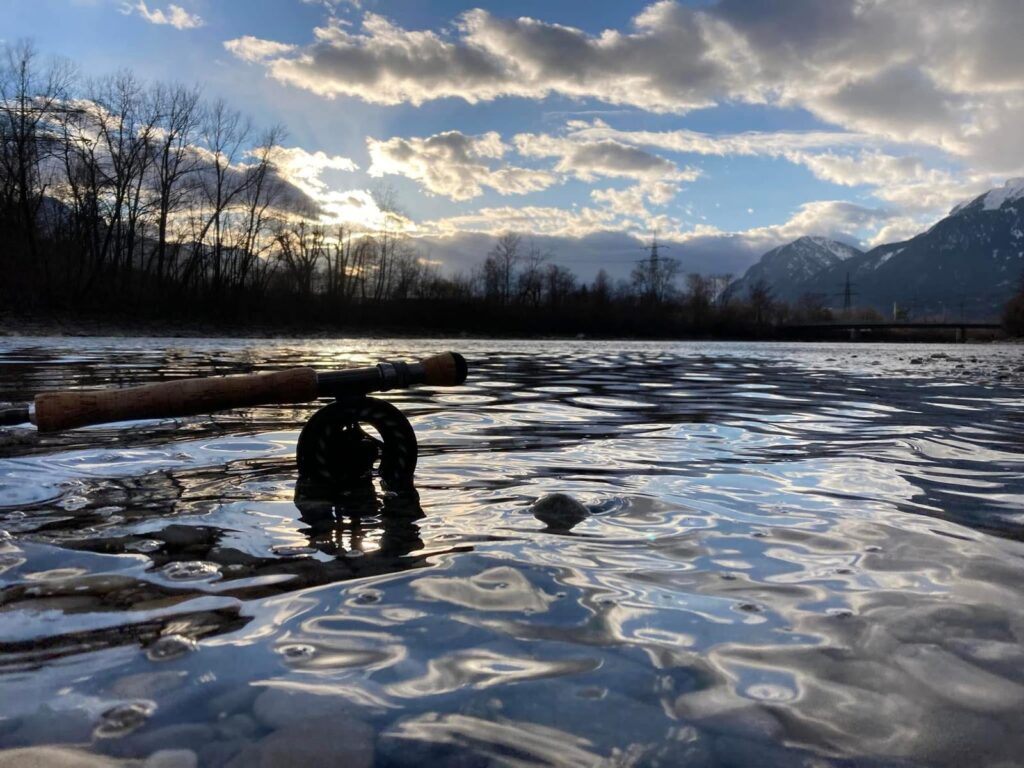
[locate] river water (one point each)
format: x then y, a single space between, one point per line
796 554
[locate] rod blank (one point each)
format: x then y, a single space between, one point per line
55 411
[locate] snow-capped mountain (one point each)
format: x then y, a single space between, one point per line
786 268
994 199
967 265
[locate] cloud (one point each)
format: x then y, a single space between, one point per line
455 165
845 158
938 72
622 216
620 211
301 172
304 168
749 143
904 181
175 15
252 49
835 219
493 58
588 160
633 201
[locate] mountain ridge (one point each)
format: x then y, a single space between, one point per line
790 265
967 265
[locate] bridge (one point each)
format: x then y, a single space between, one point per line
855 329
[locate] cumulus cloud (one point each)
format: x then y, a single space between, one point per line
455 165
311 195
304 169
253 49
844 158
634 201
587 238
587 160
905 181
174 16
626 210
940 72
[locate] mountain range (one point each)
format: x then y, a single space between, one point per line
966 266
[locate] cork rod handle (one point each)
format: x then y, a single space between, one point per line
445 370
55 411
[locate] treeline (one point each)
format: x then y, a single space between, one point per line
134 200
1013 314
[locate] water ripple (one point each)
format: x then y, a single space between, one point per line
794 555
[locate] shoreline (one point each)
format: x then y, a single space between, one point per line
98 327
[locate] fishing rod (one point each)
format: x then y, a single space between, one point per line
332 447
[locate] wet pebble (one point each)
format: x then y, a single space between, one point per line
53 757
190 570
730 750
143 546
559 511
321 741
172 758
180 737
237 727
170 647
237 699
48 725
148 685
286 550
297 651
277 708
368 597
123 719
217 754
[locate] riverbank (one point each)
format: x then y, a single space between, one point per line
90 326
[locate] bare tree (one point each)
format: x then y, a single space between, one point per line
224 135
125 130
506 256
530 281
176 161
700 291
301 249
559 283
760 297
30 94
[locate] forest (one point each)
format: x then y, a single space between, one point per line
131 200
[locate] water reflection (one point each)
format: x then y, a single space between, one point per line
781 556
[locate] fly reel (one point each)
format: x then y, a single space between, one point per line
335 451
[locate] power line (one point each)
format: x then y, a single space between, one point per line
847 293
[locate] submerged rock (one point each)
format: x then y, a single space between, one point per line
170 647
277 708
123 719
48 725
172 758
321 741
53 757
559 511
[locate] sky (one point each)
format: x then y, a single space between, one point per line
725 127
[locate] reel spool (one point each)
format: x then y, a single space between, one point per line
335 452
